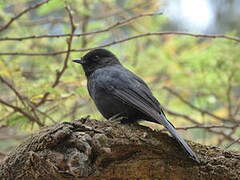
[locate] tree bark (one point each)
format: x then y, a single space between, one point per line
93 150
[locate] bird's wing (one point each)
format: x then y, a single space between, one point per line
142 100
139 99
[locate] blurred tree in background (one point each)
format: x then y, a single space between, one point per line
195 77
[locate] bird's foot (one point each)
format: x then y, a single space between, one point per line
118 118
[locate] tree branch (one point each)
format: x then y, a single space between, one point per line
4 27
20 110
20 97
115 25
197 108
166 33
93 150
69 45
205 126
190 119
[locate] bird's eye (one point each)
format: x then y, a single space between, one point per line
96 58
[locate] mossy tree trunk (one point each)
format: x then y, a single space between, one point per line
93 150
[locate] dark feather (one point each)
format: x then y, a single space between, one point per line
145 104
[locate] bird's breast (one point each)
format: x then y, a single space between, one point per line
101 86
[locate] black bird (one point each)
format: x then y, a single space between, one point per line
117 91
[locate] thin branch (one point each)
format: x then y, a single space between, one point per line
234 142
17 109
230 134
229 94
4 27
212 130
8 115
201 126
69 46
184 116
196 108
85 22
23 98
237 108
115 25
35 109
46 115
53 20
121 41
20 97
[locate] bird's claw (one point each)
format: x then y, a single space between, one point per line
118 118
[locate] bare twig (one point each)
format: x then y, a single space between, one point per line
8 115
85 21
69 45
20 97
229 93
234 129
197 108
212 130
201 126
237 108
184 116
20 14
55 20
115 25
17 109
226 136
234 142
121 41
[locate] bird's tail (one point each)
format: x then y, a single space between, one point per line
180 140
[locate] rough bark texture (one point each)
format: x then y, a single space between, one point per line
93 150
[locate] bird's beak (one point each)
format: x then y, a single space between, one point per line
80 61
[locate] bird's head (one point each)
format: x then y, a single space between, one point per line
96 59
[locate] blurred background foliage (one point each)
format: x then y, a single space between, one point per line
197 80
